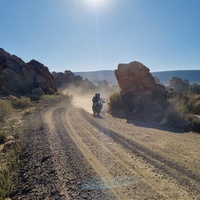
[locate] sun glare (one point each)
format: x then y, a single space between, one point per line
97 3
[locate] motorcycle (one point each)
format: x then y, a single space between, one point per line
97 107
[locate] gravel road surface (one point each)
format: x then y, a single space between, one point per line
71 154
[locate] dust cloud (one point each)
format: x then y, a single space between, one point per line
83 101
80 98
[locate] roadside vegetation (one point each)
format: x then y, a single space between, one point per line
12 134
188 108
22 103
178 107
9 160
5 108
58 97
11 141
115 102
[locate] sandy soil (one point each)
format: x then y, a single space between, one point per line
71 154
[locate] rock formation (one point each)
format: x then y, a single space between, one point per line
20 78
141 97
66 78
179 85
194 88
134 78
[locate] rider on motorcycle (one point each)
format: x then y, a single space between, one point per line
95 99
97 104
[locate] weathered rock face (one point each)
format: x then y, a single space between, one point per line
19 78
194 88
179 85
69 79
141 97
135 79
66 79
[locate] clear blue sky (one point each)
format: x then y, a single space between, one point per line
89 35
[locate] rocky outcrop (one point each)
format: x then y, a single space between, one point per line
141 97
66 78
157 80
75 84
20 78
179 85
69 79
194 88
134 78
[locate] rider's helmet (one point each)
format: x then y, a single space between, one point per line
97 95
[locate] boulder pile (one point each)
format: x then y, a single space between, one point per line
20 78
179 85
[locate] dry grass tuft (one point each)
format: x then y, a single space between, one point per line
23 102
5 108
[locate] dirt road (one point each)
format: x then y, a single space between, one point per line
72 155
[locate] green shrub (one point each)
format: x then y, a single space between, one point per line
194 104
140 107
8 169
57 98
115 101
185 105
5 183
24 102
186 108
194 122
172 115
2 137
181 108
5 109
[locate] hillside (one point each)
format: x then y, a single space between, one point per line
193 76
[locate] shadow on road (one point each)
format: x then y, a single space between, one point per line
99 117
176 127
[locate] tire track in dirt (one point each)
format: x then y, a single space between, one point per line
55 143
107 179
71 166
76 156
186 178
116 160
155 185
175 145
37 176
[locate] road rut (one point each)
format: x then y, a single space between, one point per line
110 158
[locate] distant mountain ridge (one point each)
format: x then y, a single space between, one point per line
193 76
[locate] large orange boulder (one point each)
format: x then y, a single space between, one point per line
135 79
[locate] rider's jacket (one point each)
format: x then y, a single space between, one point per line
95 99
